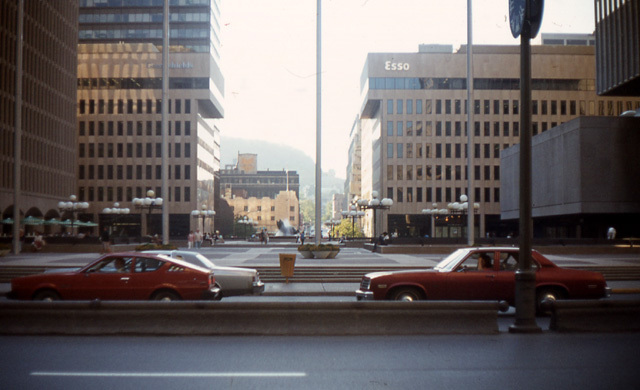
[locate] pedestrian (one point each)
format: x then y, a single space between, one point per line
197 239
302 237
265 236
190 239
38 241
611 233
106 240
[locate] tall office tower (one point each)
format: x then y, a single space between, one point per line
48 136
119 110
414 131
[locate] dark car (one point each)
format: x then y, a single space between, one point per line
486 273
121 276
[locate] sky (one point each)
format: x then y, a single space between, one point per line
268 58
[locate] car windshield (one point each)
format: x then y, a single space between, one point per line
449 262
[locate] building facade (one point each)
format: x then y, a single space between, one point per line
119 111
414 127
269 199
48 138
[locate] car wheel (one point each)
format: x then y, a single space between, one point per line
407 294
165 295
552 294
46 295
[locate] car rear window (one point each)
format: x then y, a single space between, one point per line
148 265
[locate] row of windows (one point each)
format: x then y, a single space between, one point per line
143 83
121 150
139 3
452 83
131 172
441 172
407 128
506 107
126 194
138 106
143 33
438 195
146 17
111 128
406 150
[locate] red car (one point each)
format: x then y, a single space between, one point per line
121 276
482 274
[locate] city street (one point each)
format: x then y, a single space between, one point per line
505 361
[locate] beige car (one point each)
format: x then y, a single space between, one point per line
232 281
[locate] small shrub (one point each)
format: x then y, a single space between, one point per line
154 247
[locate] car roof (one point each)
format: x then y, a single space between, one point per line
158 256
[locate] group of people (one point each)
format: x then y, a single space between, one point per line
264 236
195 240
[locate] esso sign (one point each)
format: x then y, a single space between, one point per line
396 65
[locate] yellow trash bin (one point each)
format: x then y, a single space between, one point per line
287 262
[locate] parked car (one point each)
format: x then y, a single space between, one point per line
121 276
231 280
486 273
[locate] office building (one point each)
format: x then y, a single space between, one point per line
263 197
48 138
414 128
119 110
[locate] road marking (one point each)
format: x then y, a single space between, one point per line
174 374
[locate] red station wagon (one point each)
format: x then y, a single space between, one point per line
121 276
482 274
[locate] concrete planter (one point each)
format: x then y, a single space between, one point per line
306 254
321 254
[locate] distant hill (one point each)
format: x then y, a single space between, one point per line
278 157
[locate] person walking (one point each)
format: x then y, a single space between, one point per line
106 240
190 239
197 239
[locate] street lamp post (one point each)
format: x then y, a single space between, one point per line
72 207
246 221
375 204
204 214
117 211
453 209
352 213
149 203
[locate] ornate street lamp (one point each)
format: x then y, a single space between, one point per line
375 204
117 211
204 214
72 207
352 213
149 203
453 210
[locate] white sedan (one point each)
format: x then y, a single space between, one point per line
232 281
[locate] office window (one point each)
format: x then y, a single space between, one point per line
496 107
487 107
399 150
534 107
389 172
389 128
399 172
419 106
409 106
187 110
400 195
516 107
554 107
389 150
389 106
438 106
427 107
505 107
447 106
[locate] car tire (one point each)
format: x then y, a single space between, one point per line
407 294
165 295
46 295
548 293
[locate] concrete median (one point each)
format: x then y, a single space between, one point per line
267 318
594 316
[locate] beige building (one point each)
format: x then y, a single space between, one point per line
413 126
120 139
266 212
48 128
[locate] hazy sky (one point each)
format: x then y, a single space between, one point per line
269 58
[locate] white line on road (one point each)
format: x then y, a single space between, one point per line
175 374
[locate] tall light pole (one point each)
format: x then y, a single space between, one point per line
470 105
525 17
164 125
318 224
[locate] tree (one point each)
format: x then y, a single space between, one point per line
347 229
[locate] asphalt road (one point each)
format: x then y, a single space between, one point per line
505 361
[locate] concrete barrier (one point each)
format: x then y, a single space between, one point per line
267 318
594 316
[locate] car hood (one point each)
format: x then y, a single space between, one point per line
382 274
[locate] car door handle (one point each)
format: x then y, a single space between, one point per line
124 278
